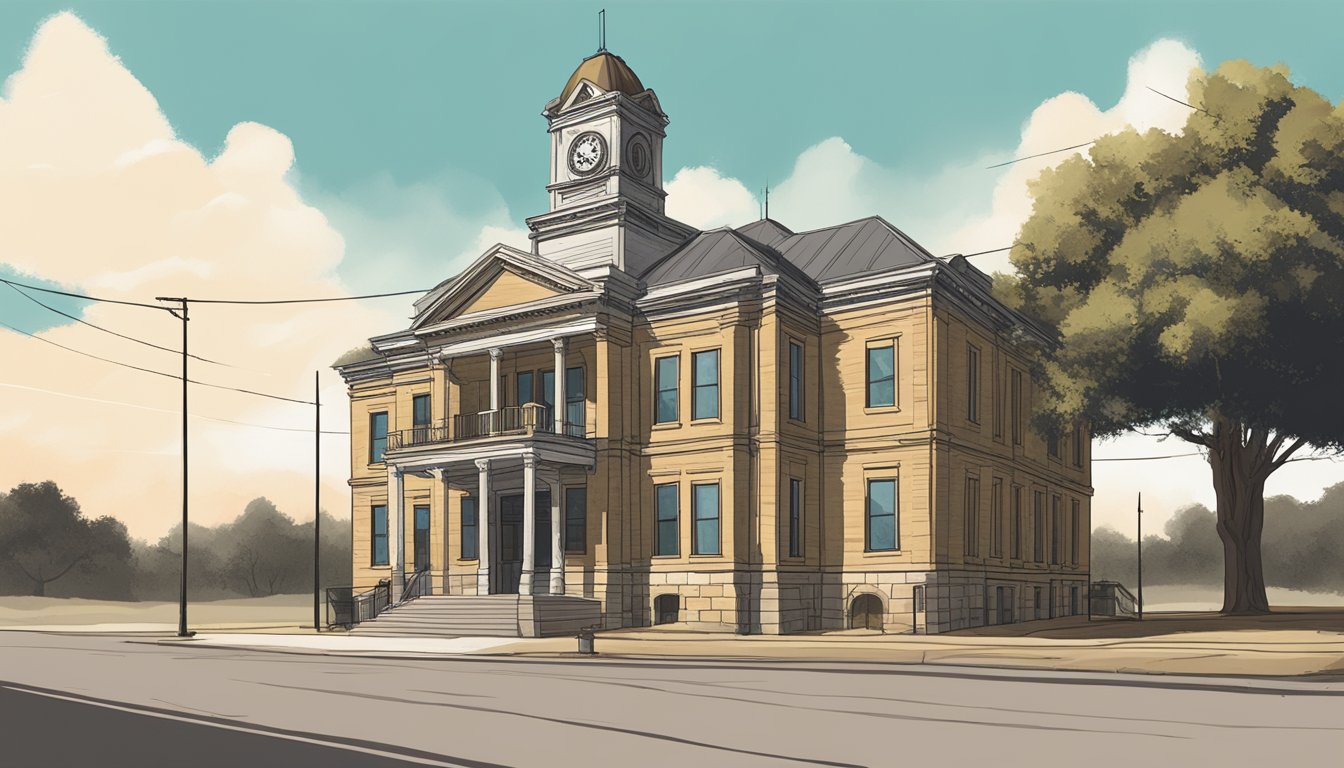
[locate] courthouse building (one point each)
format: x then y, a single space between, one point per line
747 428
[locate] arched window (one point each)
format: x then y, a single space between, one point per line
665 609
866 612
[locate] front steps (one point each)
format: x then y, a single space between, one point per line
485 616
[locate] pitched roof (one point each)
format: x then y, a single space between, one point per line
715 252
845 250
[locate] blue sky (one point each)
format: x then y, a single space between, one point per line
448 93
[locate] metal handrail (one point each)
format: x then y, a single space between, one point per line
416 586
345 608
528 419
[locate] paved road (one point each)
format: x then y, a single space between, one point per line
216 705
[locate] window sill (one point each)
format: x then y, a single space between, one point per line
706 555
882 552
380 567
468 559
881 409
666 425
706 420
666 557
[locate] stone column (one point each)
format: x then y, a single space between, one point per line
529 523
561 410
441 474
557 544
495 355
483 527
396 538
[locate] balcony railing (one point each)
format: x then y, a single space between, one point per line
512 420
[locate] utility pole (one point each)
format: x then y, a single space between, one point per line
182 630
1140 521
317 504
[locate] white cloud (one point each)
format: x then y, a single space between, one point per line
101 196
705 199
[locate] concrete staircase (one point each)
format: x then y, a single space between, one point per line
484 616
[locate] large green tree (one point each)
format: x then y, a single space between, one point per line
1196 281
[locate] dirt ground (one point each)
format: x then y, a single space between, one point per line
254 613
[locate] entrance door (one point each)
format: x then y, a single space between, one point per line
865 612
511 542
421 542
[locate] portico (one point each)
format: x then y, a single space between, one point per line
508 462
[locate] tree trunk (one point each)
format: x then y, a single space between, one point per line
1239 477
39 588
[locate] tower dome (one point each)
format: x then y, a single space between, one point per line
607 71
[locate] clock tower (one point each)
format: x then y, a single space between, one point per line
606 176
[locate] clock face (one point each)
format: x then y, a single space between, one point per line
587 154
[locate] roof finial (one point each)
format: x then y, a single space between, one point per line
602 30
767 198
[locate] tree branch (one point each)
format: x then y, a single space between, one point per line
1193 436
1287 452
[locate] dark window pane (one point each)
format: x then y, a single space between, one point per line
705 507
882 532
667 504
705 371
470 531
576 519
377 436
881 376
420 410
665 381
795 380
574 402
525 391
379 537
795 518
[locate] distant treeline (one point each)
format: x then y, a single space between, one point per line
1303 547
48 547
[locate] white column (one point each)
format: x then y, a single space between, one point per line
396 539
557 545
495 355
529 523
483 527
561 412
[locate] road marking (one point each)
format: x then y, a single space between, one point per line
244 729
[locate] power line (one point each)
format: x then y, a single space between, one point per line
304 301
164 410
1041 154
156 373
1151 458
50 308
1178 101
80 295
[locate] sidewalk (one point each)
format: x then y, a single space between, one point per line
1281 645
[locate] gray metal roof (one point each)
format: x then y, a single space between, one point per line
846 250
833 253
716 252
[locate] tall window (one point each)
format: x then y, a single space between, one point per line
795 518
471 532
378 537
972 384
1016 533
705 513
668 508
1077 444
575 399
1000 407
996 517
1015 394
1052 443
1075 525
882 533
420 537
705 378
1038 526
882 375
795 381
666 384
1054 530
576 519
526 388
377 436
420 418
972 508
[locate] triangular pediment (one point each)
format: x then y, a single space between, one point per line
500 279
587 90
